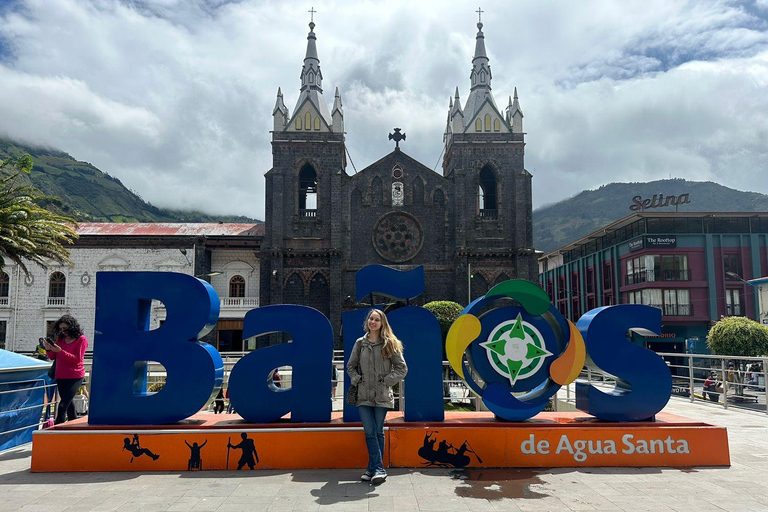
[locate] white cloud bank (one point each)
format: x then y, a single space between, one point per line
175 97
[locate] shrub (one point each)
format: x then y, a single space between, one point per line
738 336
446 313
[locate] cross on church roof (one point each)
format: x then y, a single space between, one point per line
311 12
397 137
479 12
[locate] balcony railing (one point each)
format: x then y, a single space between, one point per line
489 214
652 275
678 309
306 214
57 301
239 302
3 302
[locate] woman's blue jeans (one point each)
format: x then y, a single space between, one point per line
373 425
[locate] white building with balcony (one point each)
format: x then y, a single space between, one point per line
224 254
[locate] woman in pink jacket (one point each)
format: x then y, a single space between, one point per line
68 351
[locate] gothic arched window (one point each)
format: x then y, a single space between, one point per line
418 191
478 125
377 192
5 282
307 122
496 125
57 285
307 191
293 293
487 123
317 123
478 286
298 123
438 198
319 294
487 193
237 286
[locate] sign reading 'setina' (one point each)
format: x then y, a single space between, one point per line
519 345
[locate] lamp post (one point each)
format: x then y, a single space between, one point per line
753 285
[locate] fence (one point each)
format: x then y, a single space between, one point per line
742 380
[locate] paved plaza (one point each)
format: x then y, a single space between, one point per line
742 487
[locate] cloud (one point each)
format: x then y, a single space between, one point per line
175 97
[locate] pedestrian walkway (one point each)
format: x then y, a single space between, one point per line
741 488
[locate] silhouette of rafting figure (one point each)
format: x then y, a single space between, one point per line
195 462
442 457
136 449
249 452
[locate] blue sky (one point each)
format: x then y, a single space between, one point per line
174 97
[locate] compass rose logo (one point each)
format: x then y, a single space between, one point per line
516 349
517 339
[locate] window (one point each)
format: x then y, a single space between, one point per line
607 276
307 191
496 125
4 284
591 281
487 193
672 302
487 123
732 267
57 285
307 122
654 267
317 123
237 286
478 126
733 302
3 329
298 123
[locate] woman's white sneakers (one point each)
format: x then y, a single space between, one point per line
379 477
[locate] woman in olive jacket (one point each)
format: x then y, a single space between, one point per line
375 365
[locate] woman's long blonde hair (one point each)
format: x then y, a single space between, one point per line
392 344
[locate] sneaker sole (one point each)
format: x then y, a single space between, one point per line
378 479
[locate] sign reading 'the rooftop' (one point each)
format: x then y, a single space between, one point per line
648 241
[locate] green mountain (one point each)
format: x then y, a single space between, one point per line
561 223
89 195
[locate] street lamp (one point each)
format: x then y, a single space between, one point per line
737 276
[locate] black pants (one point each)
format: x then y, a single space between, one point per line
68 388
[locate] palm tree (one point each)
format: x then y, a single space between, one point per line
29 232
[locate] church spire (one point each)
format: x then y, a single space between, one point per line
280 112
515 115
312 79
480 78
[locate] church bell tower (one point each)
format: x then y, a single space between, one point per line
484 157
299 251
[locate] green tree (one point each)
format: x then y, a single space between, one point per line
738 336
29 232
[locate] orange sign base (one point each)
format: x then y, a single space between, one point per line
220 442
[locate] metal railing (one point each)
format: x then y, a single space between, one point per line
653 275
489 214
740 381
305 214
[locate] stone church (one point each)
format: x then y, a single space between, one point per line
470 225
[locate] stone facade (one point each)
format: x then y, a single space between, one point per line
470 226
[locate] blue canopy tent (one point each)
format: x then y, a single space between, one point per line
23 382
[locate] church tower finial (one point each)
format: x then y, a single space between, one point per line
312 85
480 76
